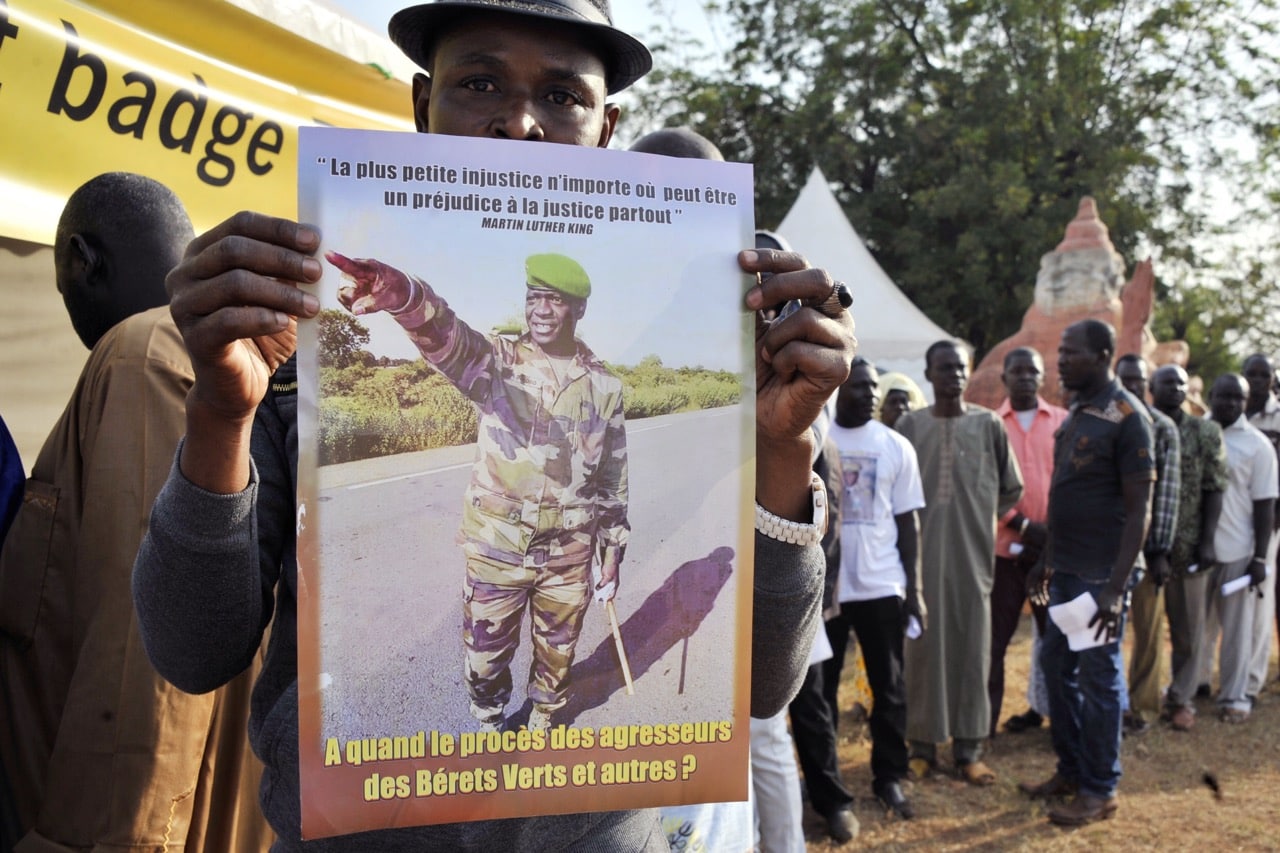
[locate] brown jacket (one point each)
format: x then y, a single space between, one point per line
98 751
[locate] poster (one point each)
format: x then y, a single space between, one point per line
396 466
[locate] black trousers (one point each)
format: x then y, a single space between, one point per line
877 626
814 730
1008 594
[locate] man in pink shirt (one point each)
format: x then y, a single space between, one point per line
1030 423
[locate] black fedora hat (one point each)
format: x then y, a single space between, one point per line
628 60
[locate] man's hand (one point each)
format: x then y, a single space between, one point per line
1110 606
1038 583
1036 534
801 359
913 605
606 586
374 286
1033 542
235 298
1257 573
1158 566
1028 558
1208 556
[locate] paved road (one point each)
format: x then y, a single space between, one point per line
391 586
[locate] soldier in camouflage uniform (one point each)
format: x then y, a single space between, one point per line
548 490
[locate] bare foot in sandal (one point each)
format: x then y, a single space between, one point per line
919 769
977 773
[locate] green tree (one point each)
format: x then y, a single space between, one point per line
342 339
1225 322
959 135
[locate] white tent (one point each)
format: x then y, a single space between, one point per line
892 332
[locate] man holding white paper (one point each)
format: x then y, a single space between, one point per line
1244 531
1104 468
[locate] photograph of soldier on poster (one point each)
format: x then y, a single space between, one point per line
512 431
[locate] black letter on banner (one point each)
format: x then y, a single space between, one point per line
71 60
183 98
239 120
144 103
7 30
259 143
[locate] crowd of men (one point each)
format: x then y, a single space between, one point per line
1138 509
179 447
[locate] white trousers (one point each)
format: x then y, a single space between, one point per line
1235 616
1264 614
775 784
1037 690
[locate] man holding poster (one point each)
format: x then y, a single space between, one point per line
219 563
549 487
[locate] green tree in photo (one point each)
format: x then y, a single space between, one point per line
342 339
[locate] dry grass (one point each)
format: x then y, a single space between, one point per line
1164 802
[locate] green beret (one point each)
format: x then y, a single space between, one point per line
559 273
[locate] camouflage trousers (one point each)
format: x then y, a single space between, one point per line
494 603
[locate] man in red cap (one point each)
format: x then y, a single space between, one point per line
219 562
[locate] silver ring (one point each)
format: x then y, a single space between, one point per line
837 301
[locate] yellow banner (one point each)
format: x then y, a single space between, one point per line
86 91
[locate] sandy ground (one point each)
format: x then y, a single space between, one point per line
1164 801
40 355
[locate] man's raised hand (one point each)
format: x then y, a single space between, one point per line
374 286
802 358
235 298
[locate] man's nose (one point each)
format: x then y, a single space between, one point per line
517 119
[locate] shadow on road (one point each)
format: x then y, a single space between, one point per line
671 614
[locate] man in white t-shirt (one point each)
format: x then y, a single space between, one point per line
1244 531
877 592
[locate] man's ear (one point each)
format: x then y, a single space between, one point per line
85 261
611 114
580 309
421 101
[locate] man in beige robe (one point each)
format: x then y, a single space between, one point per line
970 479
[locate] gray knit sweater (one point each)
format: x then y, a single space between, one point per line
214 570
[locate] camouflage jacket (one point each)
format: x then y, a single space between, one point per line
1204 469
551 458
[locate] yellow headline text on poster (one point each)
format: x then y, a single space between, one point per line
85 92
538 762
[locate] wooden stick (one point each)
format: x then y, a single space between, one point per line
622 653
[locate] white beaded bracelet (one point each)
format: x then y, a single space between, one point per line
793 532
